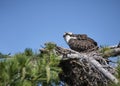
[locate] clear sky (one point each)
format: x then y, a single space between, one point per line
31 23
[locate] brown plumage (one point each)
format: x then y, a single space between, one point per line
80 42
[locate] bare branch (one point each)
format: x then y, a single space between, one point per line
97 65
95 62
88 68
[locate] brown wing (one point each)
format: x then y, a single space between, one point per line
85 37
80 36
92 41
81 45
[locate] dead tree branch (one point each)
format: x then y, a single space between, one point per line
95 62
113 52
86 69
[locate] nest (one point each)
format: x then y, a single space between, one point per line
79 71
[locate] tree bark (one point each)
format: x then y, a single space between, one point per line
88 68
94 59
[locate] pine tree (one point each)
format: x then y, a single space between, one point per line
29 69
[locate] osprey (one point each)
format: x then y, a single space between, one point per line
80 42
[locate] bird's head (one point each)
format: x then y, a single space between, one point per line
68 35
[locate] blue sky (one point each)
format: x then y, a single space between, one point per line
31 23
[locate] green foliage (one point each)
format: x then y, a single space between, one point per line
104 51
118 68
3 55
118 73
28 52
50 46
50 62
28 69
113 84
